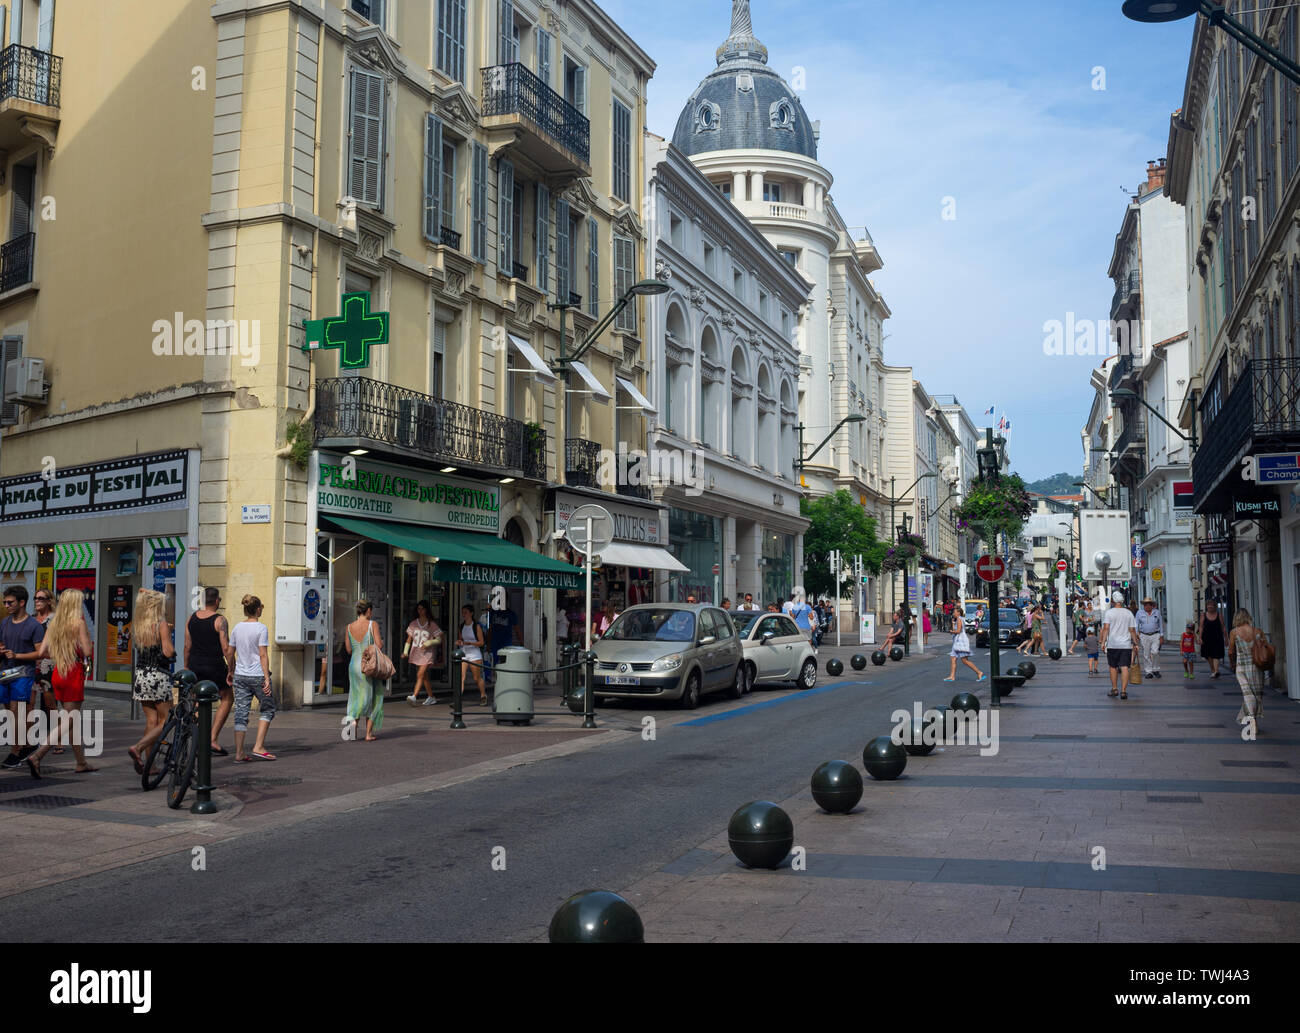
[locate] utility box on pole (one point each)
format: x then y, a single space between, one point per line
1104 535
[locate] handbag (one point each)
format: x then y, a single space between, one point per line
1262 653
374 664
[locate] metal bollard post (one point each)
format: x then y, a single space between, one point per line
457 718
589 692
566 672
206 694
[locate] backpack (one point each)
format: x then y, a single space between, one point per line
1262 653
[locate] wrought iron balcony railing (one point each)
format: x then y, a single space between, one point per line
30 74
449 237
358 408
16 261
1125 287
519 272
581 463
513 89
1263 406
636 491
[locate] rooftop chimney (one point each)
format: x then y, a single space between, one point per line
1155 176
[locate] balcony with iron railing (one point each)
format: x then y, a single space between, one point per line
1126 289
17 259
536 120
581 463
1260 414
31 82
357 412
449 237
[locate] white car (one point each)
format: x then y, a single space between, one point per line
775 650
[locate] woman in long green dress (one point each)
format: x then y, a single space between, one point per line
365 695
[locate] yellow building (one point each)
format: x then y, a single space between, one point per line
461 163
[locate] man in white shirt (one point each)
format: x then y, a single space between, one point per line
1151 632
1119 637
749 603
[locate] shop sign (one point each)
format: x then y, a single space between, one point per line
1211 545
1257 509
155 481
1184 495
510 577
630 523
410 496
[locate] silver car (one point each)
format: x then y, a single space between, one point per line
676 651
776 650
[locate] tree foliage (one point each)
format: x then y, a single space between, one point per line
995 506
838 522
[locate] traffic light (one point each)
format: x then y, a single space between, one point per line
1125 585
864 579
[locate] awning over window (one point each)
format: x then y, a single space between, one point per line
642 402
621 554
589 378
462 556
532 358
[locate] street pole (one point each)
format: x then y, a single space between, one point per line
1060 605
893 597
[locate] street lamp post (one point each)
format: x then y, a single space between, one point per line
1125 394
893 501
1216 15
804 460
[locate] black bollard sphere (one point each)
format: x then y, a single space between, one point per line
834 667
578 699
858 661
917 747
878 657
837 786
596 916
939 715
185 678
966 701
1028 668
1054 653
896 653
884 759
1006 688
760 834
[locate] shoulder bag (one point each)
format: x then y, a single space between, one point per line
374 664
1262 653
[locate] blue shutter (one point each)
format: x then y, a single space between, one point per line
542 230
593 267
433 178
505 32
479 208
505 215
451 39
562 245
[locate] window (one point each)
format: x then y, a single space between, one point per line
624 278
593 267
763 313
790 256
479 207
1041 542
562 261
781 115
366 138
505 216
517 228
433 179
737 283
451 39
544 56
542 222
575 84
507 33
372 9
354 283
439 358
10 348
724 188
449 185
710 260
622 150
785 324
676 234
772 192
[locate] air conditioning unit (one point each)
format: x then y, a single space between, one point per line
25 380
417 422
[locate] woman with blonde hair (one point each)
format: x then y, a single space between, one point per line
152 687
1241 640
66 644
365 694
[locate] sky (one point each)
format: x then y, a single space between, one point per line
992 112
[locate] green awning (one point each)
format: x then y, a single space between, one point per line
476 559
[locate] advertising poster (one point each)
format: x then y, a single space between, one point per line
45 579
119 624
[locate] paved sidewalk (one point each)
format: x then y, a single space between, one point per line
1200 831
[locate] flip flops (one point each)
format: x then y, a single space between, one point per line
264 756
135 759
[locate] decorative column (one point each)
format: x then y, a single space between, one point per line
737 187
809 193
756 180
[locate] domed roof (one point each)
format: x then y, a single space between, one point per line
743 104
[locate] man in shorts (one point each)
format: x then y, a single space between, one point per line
1119 637
20 635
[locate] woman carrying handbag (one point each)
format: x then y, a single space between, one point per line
365 672
1242 641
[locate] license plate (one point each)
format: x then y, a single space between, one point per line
614 679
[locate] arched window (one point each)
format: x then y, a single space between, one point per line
712 388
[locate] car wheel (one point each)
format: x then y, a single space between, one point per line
751 676
808 674
691 694
737 687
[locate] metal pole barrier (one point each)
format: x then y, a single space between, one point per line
994 668
206 694
457 718
589 690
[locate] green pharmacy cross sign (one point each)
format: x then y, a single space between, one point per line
355 332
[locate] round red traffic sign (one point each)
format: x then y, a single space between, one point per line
991 568
716 568
1062 566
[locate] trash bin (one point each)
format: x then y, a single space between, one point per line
513 699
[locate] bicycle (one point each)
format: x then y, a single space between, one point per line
176 750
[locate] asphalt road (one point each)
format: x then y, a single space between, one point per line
421 868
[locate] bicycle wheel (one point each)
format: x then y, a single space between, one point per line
182 773
159 761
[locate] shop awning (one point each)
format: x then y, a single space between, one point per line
462 556
594 387
532 358
642 402
621 554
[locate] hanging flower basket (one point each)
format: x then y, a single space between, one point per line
994 507
908 548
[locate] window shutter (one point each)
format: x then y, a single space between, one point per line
451 39
624 272
562 245
505 31
622 152
24 177
541 225
10 348
479 208
16 24
593 267
544 56
505 215
580 88
433 178
367 144
45 27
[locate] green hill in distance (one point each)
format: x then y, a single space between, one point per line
1056 484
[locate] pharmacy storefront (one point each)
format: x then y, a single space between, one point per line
397 536
108 529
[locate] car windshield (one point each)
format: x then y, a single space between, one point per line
1006 618
653 625
745 621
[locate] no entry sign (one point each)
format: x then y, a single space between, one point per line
1062 566
991 568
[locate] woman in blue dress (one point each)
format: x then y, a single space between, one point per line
365 695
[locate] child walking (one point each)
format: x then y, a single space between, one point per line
1188 646
1092 646
961 651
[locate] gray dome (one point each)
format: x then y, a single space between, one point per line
743 104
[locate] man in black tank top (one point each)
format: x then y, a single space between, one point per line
207 648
